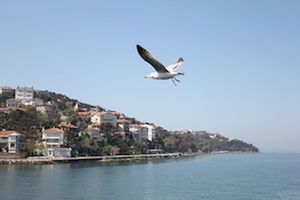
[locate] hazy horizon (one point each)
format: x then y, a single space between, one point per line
241 66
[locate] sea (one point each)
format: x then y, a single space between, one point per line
257 176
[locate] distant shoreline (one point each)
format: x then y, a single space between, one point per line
114 158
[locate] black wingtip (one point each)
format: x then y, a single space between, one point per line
180 59
140 49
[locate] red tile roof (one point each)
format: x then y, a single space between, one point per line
83 113
118 133
93 129
96 124
10 133
6 88
10 108
134 125
53 130
67 125
123 120
116 113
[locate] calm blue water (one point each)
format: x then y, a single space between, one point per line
217 177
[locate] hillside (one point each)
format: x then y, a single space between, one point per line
125 136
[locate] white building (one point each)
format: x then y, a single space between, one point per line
5 89
123 124
92 132
11 142
24 93
46 109
12 103
104 117
150 131
53 140
35 102
142 131
53 137
8 110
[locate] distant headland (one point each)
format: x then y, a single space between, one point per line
36 123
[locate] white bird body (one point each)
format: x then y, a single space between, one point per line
162 73
163 76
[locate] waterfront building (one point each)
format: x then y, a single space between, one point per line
11 142
53 137
53 140
142 131
150 131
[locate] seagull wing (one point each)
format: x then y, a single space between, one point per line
151 60
173 67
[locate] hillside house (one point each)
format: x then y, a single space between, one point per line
92 132
104 117
8 110
24 93
123 125
6 89
13 103
12 142
46 108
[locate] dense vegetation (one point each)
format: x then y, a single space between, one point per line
30 122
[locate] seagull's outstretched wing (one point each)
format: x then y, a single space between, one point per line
173 67
151 60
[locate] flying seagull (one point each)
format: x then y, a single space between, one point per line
162 72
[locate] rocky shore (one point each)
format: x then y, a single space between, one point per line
45 160
114 158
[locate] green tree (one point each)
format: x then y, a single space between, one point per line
107 149
170 144
138 148
29 122
107 129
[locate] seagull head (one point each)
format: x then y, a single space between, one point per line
180 73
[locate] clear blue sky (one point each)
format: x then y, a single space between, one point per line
242 61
